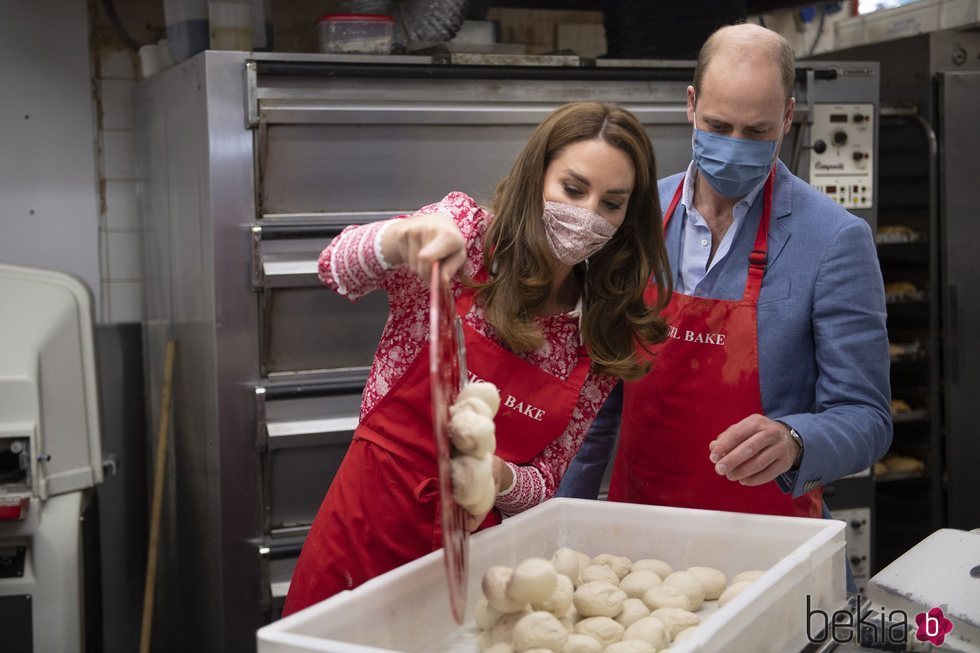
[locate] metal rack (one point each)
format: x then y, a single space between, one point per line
910 501
930 87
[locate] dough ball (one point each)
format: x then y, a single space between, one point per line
747 576
579 643
713 581
573 615
560 600
649 630
539 630
472 433
565 561
533 580
631 646
486 501
685 634
483 390
539 650
689 584
637 583
503 630
567 623
495 590
732 591
618 564
597 572
502 647
598 599
470 478
484 615
583 562
666 596
658 567
603 629
633 611
676 620
472 404
485 641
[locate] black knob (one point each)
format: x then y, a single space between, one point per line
858 117
819 147
858 156
855 524
840 138
857 560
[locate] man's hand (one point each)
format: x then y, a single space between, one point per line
753 451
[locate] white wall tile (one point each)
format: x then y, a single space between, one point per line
125 301
119 155
117 103
118 64
124 256
122 205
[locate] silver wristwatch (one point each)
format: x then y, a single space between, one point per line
796 438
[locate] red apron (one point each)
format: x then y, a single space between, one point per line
705 378
381 510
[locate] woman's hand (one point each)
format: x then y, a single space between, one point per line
503 477
422 239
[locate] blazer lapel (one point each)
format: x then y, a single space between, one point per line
782 205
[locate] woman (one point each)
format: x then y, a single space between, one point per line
551 297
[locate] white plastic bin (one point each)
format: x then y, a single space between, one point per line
407 609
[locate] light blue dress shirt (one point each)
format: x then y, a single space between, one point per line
692 259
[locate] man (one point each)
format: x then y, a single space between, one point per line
776 368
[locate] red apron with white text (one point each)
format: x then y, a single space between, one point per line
705 378
381 510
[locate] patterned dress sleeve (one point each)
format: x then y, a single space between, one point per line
352 265
538 480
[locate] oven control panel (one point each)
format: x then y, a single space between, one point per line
842 153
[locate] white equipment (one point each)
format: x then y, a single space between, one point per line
50 456
942 571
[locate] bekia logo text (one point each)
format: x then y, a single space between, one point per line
843 626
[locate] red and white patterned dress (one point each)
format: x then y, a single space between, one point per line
353 265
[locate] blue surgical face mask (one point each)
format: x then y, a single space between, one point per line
733 166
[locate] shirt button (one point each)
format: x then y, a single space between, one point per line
704 242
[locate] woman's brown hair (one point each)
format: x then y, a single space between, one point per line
615 317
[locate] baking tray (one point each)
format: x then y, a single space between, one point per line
407 608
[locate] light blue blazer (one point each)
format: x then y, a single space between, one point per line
823 347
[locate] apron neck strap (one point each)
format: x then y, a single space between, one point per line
760 248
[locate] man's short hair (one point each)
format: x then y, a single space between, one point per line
776 49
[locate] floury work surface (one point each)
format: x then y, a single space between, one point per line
407 609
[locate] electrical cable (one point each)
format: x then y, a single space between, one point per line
816 39
110 10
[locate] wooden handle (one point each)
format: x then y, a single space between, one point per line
159 470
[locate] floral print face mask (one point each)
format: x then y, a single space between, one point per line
574 233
